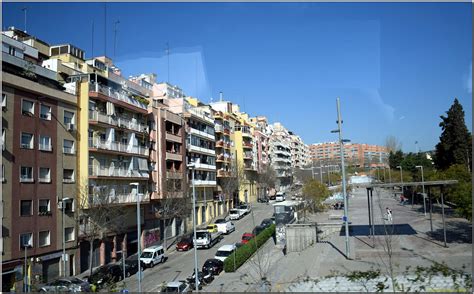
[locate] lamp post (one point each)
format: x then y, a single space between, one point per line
25 274
423 187
341 141
192 165
139 229
63 207
401 177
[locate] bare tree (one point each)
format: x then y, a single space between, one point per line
267 178
234 181
393 144
100 214
174 205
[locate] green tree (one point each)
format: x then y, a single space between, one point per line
395 158
455 146
315 193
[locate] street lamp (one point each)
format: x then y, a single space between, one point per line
139 229
192 165
401 177
423 186
341 149
26 245
63 207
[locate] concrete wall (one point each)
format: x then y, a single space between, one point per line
300 236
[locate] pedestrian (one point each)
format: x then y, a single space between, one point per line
389 215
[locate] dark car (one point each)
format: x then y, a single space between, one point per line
266 223
131 265
106 274
262 200
69 284
215 266
184 244
272 197
257 230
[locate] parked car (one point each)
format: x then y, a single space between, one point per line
224 251
185 244
262 200
106 274
235 214
272 197
131 265
257 230
238 245
266 222
213 265
70 284
211 228
177 287
280 196
246 237
225 226
245 208
151 256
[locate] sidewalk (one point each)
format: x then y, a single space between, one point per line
412 245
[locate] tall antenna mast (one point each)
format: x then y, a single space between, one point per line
115 36
24 9
92 40
105 28
196 68
168 56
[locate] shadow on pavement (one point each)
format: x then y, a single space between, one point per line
456 232
380 230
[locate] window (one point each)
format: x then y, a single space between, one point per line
68 146
26 207
43 238
4 100
26 240
69 234
45 112
44 206
45 143
68 205
68 176
26 174
27 141
45 175
27 107
68 117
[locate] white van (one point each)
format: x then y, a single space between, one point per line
235 214
224 252
224 226
280 196
153 255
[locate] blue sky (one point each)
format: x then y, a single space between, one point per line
396 66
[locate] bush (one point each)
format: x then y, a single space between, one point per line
247 250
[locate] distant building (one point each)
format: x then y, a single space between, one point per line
355 154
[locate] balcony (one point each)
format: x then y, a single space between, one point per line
249 167
98 144
220 144
116 95
116 198
218 128
174 175
117 121
246 133
205 166
247 145
218 115
101 171
36 69
173 138
202 134
205 182
174 156
198 113
223 158
248 155
203 150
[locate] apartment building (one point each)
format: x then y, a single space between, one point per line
39 169
297 151
262 134
169 203
201 150
280 155
355 154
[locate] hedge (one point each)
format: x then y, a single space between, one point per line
247 250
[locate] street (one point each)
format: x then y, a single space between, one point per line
180 265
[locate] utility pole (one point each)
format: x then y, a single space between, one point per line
115 37
24 9
344 194
168 57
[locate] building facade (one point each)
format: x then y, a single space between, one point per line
280 155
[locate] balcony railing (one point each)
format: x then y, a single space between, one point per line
204 182
174 156
207 151
201 114
174 175
202 133
95 87
117 121
247 145
116 198
101 171
117 146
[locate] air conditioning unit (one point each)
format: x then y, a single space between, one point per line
70 127
60 204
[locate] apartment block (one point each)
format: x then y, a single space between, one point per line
262 134
355 154
297 151
280 155
39 169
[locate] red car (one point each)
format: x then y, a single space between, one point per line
246 237
184 244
